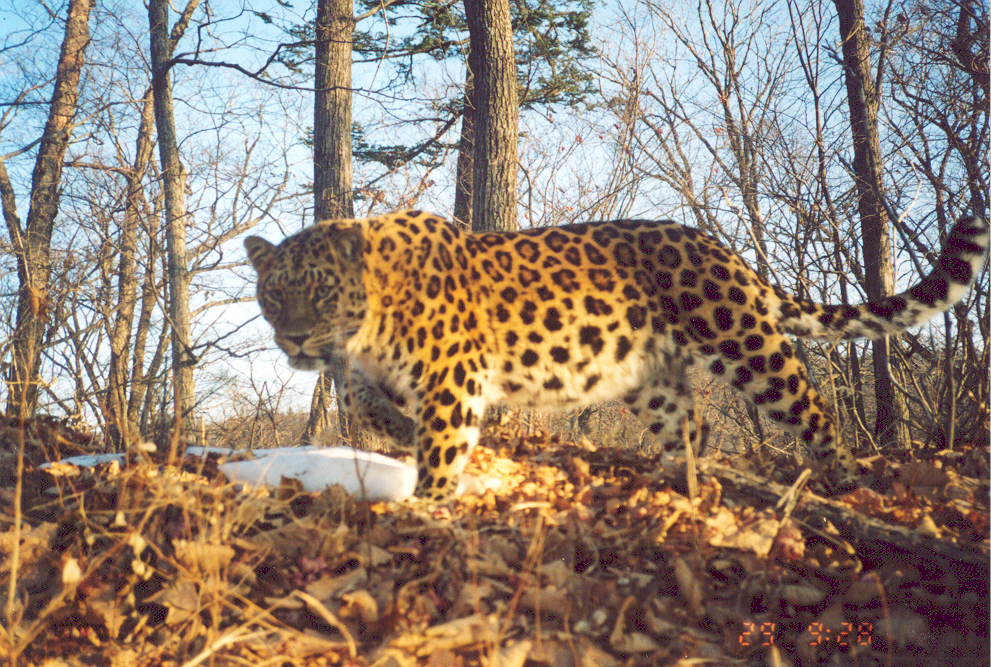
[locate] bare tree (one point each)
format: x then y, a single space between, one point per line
862 84
33 241
121 424
939 88
734 137
174 182
120 427
116 327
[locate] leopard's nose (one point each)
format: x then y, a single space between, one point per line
297 340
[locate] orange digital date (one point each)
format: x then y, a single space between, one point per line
764 634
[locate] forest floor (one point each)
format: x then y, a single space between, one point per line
571 555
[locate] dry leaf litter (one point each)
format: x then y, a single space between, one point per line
569 556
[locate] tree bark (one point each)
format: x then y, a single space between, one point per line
332 174
496 117
126 386
119 427
174 184
466 157
141 378
466 146
967 38
33 242
863 99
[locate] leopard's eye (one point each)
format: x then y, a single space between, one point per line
321 292
271 302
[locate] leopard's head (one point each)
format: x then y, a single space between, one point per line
311 290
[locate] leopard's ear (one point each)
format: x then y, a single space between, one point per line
259 252
350 243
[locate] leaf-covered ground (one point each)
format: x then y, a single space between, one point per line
569 555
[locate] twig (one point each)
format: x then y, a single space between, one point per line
227 639
318 607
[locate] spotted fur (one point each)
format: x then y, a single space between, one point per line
562 316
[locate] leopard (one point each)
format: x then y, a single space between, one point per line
439 323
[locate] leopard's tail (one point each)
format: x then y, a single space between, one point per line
959 264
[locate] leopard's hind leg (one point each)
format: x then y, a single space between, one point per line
770 374
665 405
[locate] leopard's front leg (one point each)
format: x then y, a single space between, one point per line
370 404
448 427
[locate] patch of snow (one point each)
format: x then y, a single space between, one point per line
363 474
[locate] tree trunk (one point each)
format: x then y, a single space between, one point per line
862 95
174 184
466 159
332 174
496 126
966 38
466 146
141 378
119 428
33 242
126 386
